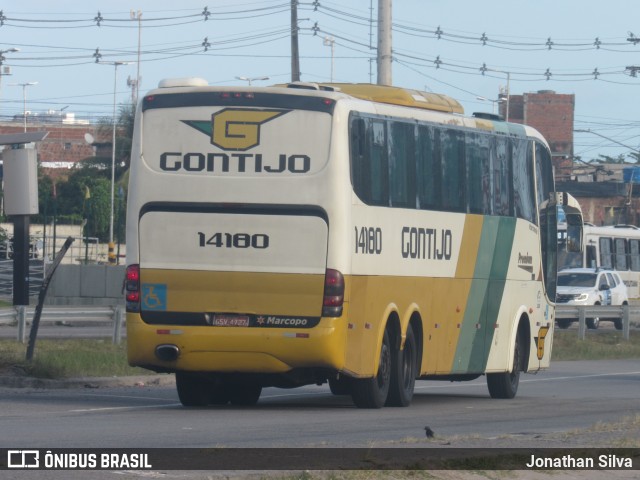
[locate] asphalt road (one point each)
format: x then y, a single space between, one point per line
571 395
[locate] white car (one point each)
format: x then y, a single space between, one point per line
590 286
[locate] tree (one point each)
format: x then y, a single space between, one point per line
93 174
635 156
124 136
607 159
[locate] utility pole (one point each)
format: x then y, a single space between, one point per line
295 53
330 42
137 16
633 70
384 42
370 40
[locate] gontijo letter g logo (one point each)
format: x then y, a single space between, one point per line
238 129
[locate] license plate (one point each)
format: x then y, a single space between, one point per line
230 321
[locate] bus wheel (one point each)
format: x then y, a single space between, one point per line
219 393
403 372
593 323
564 323
373 392
193 390
340 385
505 384
245 394
617 322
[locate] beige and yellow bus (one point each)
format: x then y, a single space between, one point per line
360 235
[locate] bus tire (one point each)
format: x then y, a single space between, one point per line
593 323
564 323
219 393
340 385
373 392
193 389
505 384
244 394
403 372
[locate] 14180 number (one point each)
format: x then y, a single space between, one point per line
234 240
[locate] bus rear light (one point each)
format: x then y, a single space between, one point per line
132 288
229 95
133 297
333 293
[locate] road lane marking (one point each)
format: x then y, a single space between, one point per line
106 409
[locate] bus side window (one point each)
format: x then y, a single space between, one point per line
369 160
502 178
453 171
606 253
379 164
621 254
358 160
523 181
429 171
478 173
590 257
402 165
634 255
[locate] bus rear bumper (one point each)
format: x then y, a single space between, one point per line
236 349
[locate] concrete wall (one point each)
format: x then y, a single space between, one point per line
87 285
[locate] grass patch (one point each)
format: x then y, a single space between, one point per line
61 358
595 346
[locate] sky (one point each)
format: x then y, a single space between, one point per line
461 48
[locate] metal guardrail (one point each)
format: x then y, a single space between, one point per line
582 313
22 316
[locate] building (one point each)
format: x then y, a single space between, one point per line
65 145
552 115
605 195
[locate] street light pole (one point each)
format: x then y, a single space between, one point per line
508 74
115 64
252 79
2 59
493 103
24 99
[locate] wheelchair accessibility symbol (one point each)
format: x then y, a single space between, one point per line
154 296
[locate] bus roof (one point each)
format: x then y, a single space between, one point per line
364 91
386 94
400 96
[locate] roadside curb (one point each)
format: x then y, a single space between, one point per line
87 382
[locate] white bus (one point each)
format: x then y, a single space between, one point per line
360 235
615 247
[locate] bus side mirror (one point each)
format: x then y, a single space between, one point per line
574 235
573 215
